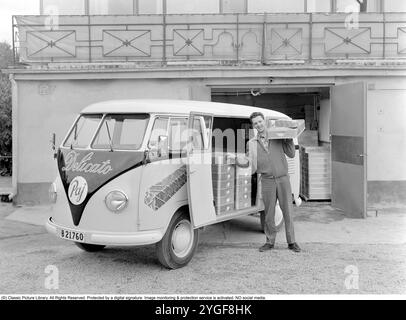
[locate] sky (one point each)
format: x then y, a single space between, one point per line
14 7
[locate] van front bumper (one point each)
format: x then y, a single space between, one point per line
106 238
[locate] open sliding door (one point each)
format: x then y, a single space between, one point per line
199 178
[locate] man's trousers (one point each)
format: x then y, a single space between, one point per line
274 189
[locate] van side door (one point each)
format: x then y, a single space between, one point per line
199 176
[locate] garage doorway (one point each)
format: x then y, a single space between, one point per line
329 165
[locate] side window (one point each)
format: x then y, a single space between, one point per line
201 135
177 134
198 142
208 122
160 128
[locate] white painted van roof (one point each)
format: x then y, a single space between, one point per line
177 107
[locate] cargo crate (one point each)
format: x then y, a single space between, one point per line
315 173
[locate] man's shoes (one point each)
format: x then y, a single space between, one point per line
266 247
294 247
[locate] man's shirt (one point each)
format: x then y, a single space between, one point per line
264 141
268 156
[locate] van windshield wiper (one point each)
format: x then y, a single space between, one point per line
108 133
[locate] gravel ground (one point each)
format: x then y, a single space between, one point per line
215 269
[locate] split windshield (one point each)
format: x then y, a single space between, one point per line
115 132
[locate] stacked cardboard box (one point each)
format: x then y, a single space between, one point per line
315 173
223 176
243 187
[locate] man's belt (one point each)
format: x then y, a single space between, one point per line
263 176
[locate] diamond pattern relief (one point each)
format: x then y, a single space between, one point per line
188 42
126 43
347 41
58 44
286 41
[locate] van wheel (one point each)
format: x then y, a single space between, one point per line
278 219
90 247
179 243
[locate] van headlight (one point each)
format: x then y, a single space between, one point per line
116 201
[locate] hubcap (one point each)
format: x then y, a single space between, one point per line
182 238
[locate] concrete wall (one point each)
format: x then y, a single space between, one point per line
387 135
386 145
50 107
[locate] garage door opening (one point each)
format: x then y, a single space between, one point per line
311 104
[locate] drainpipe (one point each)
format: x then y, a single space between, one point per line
13 40
333 6
164 32
263 39
14 110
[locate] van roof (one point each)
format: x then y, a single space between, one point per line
177 107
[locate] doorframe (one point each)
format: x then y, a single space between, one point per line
190 152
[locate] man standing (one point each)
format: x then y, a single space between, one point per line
267 157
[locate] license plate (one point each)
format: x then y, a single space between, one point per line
72 235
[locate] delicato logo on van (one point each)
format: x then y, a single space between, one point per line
72 164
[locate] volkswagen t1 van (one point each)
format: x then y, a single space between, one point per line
139 172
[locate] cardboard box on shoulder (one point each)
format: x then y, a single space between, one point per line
285 129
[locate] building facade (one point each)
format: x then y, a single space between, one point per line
307 58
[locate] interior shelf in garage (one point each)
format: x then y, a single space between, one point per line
315 173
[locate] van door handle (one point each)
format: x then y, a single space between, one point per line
192 171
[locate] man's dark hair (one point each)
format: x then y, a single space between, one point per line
256 114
